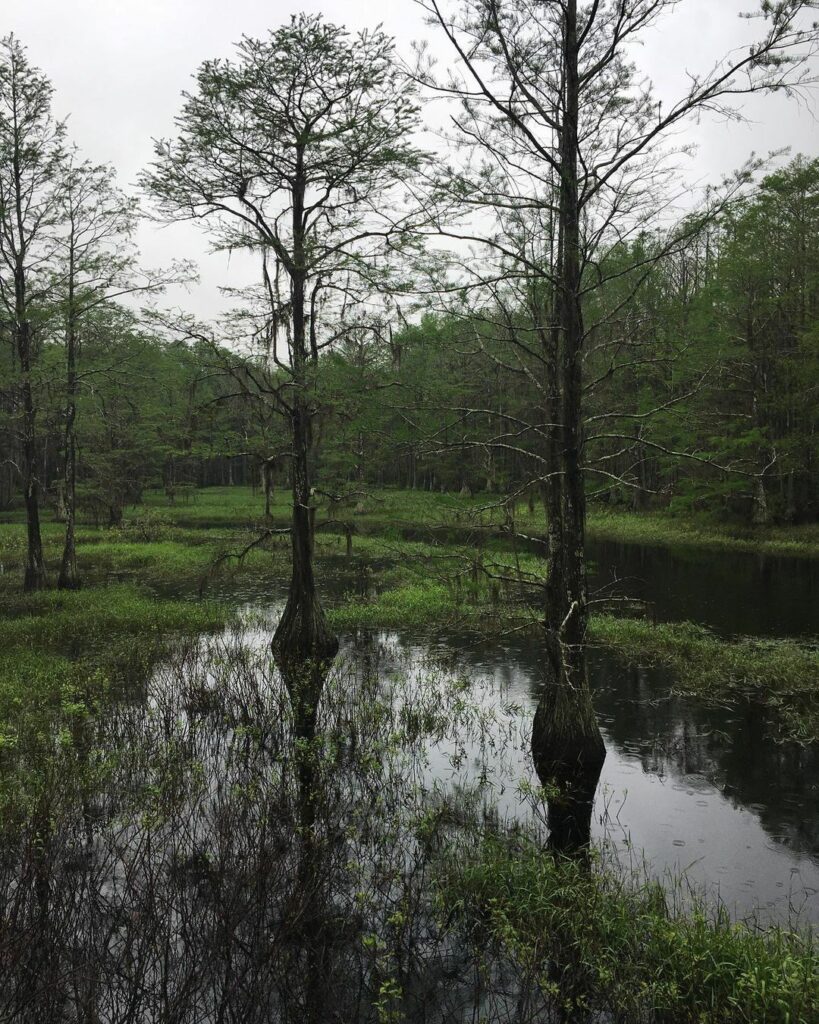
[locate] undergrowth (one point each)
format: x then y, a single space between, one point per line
594 943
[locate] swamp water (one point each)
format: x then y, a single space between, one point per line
204 860
735 593
700 797
696 795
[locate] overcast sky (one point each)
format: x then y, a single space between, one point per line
119 66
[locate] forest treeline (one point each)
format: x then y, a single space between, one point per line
704 388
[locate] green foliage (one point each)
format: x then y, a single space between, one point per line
593 943
780 674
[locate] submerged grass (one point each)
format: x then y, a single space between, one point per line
598 944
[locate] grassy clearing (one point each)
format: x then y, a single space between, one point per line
391 513
388 510
595 944
62 649
85 621
64 656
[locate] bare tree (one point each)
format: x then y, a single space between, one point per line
97 265
569 159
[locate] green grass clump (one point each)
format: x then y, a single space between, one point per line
781 674
593 943
702 532
409 606
90 620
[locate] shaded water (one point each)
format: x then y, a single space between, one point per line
696 795
734 593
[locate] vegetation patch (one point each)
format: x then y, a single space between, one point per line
703 532
783 675
592 943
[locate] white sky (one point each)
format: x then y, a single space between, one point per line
118 67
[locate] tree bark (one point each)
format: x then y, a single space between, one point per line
302 643
35 573
566 742
69 577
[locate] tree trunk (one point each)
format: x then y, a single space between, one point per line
566 742
35 574
267 480
69 577
302 644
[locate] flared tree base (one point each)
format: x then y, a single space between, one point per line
568 753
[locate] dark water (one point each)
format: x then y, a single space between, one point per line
702 794
229 865
706 793
737 593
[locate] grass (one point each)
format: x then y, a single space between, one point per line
592 943
702 532
64 657
86 621
782 675
66 650
426 570
385 510
392 511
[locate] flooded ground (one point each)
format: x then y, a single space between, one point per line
733 593
207 858
703 794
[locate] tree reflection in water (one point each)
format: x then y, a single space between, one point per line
568 754
207 855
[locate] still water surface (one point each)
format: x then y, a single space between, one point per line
705 793
736 593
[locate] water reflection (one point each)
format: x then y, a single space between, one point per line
704 790
568 755
206 855
735 593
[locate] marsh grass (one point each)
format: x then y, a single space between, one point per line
397 510
782 675
596 943
65 657
703 533
424 582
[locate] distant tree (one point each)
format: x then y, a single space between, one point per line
296 151
97 265
766 288
32 161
